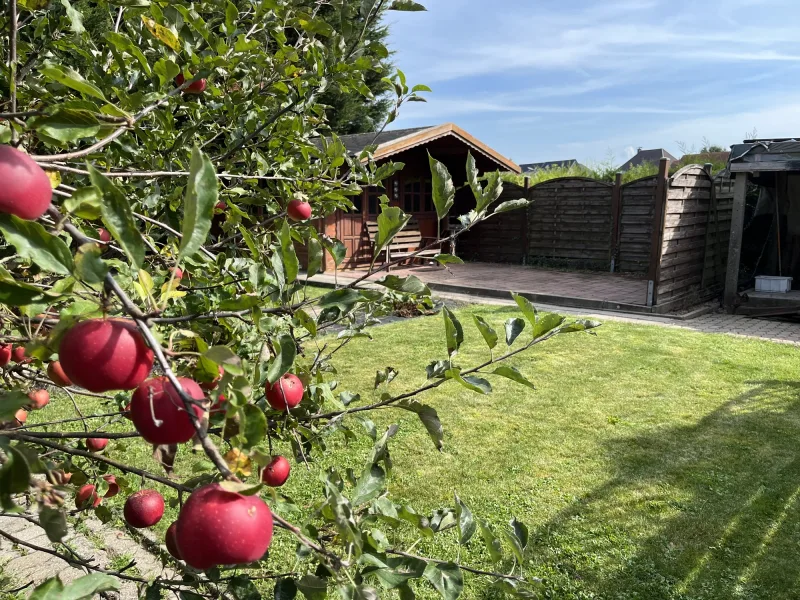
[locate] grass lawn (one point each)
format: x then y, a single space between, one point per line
651 463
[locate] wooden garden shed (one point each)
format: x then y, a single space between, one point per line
409 188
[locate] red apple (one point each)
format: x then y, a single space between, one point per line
276 472
19 356
298 210
56 374
143 508
96 444
218 527
20 417
220 206
26 191
103 235
126 412
166 406
217 406
197 87
113 486
171 540
178 273
286 393
5 355
105 354
39 399
87 497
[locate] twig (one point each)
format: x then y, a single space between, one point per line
12 60
237 235
97 457
462 567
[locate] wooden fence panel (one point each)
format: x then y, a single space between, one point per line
636 225
695 238
571 219
499 239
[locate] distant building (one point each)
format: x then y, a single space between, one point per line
549 164
647 156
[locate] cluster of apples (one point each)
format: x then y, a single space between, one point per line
102 355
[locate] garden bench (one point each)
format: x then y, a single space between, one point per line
406 243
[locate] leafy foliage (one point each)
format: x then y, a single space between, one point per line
190 179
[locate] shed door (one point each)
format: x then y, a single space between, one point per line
349 230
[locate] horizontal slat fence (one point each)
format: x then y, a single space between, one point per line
500 238
638 200
571 219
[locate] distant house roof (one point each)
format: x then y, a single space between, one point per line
399 140
651 156
549 164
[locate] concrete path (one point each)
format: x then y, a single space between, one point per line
110 548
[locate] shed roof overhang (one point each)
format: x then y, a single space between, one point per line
765 155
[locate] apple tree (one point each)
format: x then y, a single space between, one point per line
157 178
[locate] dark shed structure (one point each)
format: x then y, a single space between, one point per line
773 165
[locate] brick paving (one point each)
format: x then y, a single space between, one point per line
464 283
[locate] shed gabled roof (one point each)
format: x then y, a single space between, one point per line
400 140
643 156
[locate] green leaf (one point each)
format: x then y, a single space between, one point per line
445 259
466 523
85 203
392 572
50 589
89 267
370 485
231 14
488 333
579 325
491 540
199 200
32 241
444 192
406 5
337 249
241 487
316 27
513 328
420 88
513 374
446 578
408 285
224 356
313 587
314 256
255 426
285 589
17 293
242 587
472 180
68 124
291 265
546 324
511 205
430 420
88 586
118 217
516 548
306 321
162 34
454 333
15 474
33 4
10 402
492 191
166 70
72 79
471 382
54 523
343 299
287 349
527 308
124 44
390 222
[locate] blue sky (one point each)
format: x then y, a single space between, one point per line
545 80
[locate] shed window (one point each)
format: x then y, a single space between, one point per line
417 196
373 199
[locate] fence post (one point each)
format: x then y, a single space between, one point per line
657 241
735 244
712 208
525 222
616 210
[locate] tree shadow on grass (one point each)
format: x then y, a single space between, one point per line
709 510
